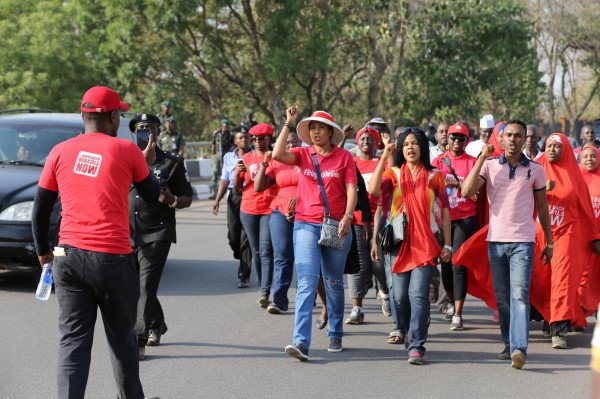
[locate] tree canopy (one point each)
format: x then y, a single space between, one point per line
407 61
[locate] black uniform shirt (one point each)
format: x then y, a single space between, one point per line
156 222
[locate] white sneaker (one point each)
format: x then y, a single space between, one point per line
381 296
457 323
449 311
356 316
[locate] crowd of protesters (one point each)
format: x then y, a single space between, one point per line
504 218
509 218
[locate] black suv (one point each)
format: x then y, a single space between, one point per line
25 141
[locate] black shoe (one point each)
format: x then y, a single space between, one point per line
244 283
298 351
155 334
274 309
505 354
263 301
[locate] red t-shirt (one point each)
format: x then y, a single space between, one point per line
286 178
337 170
366 168
460 207
254 203
93 172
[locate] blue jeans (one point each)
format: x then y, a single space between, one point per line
259 238
311 260
388 260
411 297
511 264
283 249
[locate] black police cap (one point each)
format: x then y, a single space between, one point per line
146 118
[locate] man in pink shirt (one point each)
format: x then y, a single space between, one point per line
514 185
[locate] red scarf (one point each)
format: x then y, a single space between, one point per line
420 246
494 139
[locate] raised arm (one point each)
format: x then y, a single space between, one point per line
375 182
262 181
473 182
280 152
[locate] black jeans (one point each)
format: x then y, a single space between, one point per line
238 240
86 281
151 259
454 277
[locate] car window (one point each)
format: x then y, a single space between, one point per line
31 143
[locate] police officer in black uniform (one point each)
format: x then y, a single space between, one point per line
153 229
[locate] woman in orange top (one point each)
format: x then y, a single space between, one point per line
574 238
419 190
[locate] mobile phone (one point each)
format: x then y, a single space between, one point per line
240 161
143 136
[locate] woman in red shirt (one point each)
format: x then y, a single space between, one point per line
338 174
284 179
367 140
455 166
255 210
413 186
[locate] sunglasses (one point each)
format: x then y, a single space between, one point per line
259 138
458 137
414 130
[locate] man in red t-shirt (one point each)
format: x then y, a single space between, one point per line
93 263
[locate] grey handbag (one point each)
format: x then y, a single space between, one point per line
399 226
400 221
330 227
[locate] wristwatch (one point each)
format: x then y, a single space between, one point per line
174 203
350 216
449 248
551 246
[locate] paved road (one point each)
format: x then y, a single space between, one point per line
220 344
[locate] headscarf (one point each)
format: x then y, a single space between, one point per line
565 171
371 131
494 139
583 169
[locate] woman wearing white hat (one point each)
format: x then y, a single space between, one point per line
338 174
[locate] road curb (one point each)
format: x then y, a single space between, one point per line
201 191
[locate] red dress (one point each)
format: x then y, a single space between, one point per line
570 214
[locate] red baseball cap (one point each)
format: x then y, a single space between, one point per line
103 99
458 128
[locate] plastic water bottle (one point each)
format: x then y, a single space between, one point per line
45 286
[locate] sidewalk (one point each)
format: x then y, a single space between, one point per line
201 186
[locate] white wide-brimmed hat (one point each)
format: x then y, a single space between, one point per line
323 117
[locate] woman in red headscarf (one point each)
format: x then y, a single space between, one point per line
589 290
367 140
255 210
574 238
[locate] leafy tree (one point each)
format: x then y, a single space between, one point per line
464 51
